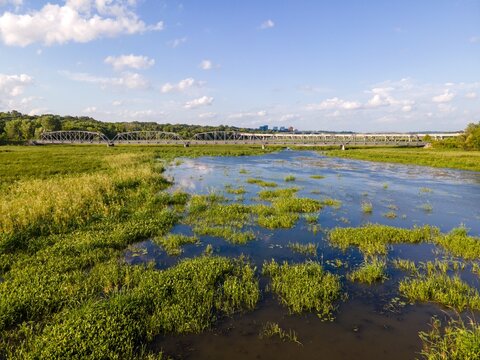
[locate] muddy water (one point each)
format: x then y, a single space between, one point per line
373 322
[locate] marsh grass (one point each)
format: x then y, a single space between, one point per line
311 219
367 207
331 202
261 182
232 235
425 190
405 265
427 207
458 243
440 288
236 191
271 329
373 239
304 287
317 177
309 249
456 340
172 243
390 215
289 178
370 271
278 193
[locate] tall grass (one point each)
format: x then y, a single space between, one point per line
304 287
369 272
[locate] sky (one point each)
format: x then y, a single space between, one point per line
338 65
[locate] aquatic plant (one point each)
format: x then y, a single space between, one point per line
261 182
304 249
304 287
278 193
172 243
456 340
311 219
425 190
367 207
271 329
458 243
236 191
317 177
405 265
331 202
440 288
230 234
390 215
373 239
370 271
289 178
426 207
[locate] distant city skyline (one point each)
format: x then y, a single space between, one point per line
313 65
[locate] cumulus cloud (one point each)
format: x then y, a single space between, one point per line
14 85
267 24
75 21
127 80
471 95
182 85
335 104
251 114
177 42
447 96
201 101
129 61
206 65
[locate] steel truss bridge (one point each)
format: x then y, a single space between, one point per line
230 137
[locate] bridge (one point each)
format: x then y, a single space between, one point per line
231 137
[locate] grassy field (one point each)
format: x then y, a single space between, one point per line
454 159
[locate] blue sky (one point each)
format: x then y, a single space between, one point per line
333 65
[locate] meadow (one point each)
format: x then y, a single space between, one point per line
69 214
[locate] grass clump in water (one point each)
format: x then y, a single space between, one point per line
390 215
296 205
367 207
172 243
278 193
425 190
261 182
373 239
427 207
458 243
236 191
405 265
318 177
369 272
438 287
455 341
278 220
232 235
304 287
271 329
304 249
331 202
289 178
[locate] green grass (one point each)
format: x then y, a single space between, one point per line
236 191
373 239
442 158
261 182
458 243
304 287
457 341
304 249
271 329
232 235
440 288
289 178
278 193
390 215
369 272
317 177
367 207
172 243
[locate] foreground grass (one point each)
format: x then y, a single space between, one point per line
441 158
369 272
456 341
304 287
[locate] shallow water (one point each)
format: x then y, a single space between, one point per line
368 324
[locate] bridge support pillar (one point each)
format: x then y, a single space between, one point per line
342 147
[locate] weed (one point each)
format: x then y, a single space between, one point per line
426 207
458 243
261 182
317 177
367 207
271 329
390 215
236 191
304 249
278 193
304 287
172 243
369 272
289 178
425 190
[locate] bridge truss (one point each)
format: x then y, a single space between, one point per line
73 137
148 137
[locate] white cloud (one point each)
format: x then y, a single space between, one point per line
207 115
127 80
77 20
182 85
129 61
471 95
177 42
335 104
242 115
117 103
267 24
14 85
447 96
206 65
201 101
90 110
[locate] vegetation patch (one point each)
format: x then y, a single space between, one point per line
367 207
458 243
289 178
304 287
172 243
261 182
369 272
317 177
278 193
304 249
271 329
373 239
457 340
236 191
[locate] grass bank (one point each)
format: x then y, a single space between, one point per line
440 158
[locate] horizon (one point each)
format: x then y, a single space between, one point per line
374 67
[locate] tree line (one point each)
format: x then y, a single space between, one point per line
18 127
469 140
